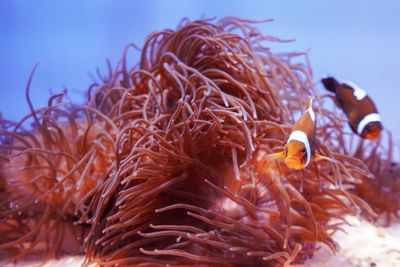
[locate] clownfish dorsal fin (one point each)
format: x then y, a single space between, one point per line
310 109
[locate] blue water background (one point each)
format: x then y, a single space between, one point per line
357 40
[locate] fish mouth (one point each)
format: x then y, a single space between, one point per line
372 135
372 131
294 163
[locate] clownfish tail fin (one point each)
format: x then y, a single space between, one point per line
330 84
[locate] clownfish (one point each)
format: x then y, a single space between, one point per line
359 108
300 146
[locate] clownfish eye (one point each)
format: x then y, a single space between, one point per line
303 150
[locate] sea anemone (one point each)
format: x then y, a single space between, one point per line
382 192
166 161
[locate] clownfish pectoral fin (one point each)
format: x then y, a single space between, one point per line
278 155
318 157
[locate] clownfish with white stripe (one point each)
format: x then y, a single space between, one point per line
359 108
301 144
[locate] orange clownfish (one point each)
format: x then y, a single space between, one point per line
363 116
300 147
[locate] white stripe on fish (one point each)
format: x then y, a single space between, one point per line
301 137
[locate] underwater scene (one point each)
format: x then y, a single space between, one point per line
213 141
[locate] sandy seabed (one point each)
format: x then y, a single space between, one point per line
364 244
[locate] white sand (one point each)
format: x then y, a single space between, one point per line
364 245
